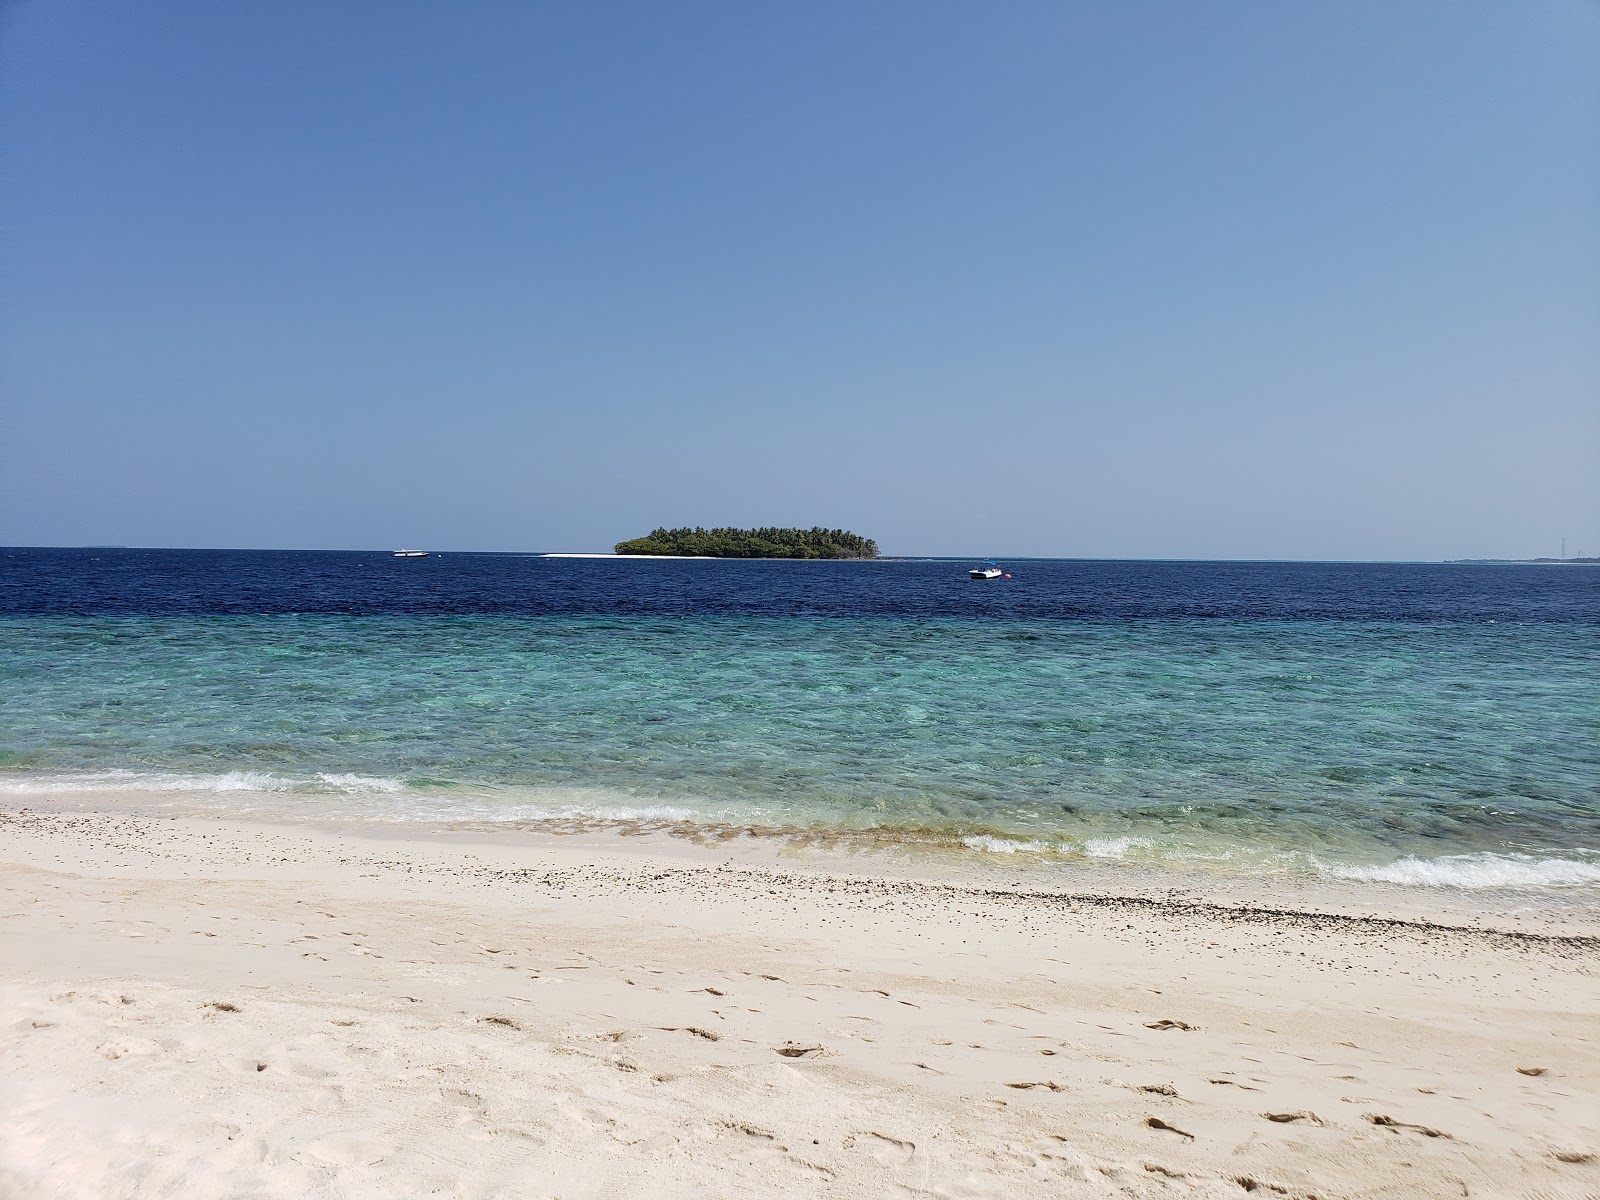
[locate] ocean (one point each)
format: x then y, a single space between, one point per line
1418 724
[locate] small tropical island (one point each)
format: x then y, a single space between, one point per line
752 543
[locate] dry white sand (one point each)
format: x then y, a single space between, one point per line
209 1009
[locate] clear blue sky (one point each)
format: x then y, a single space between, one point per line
1234 279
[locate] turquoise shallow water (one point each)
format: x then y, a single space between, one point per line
1464 753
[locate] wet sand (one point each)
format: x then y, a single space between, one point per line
210 1008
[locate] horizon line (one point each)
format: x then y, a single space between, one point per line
1489 560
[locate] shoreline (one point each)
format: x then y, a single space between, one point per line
667 862
1299 880
294 1008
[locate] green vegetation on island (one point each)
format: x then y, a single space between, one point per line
753 543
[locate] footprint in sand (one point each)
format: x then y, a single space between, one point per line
505 1022
345 1150
1390 1123
1169 1024
889 1151
791 1050
130 1048
1289 1118
460 1098
707 1034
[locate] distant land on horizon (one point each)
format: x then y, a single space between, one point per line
1525 561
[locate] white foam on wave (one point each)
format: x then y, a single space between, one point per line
557 813
1117 847
1107 847
1480 871
350 796
145 782
1486 870
361 783
999 845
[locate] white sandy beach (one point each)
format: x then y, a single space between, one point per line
212 1009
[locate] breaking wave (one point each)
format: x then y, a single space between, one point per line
998 845
227 781
1485 870
1101 847
1480 871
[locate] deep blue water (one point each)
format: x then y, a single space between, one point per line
184 582
1418 723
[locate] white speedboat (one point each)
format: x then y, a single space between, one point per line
987 571
409 554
